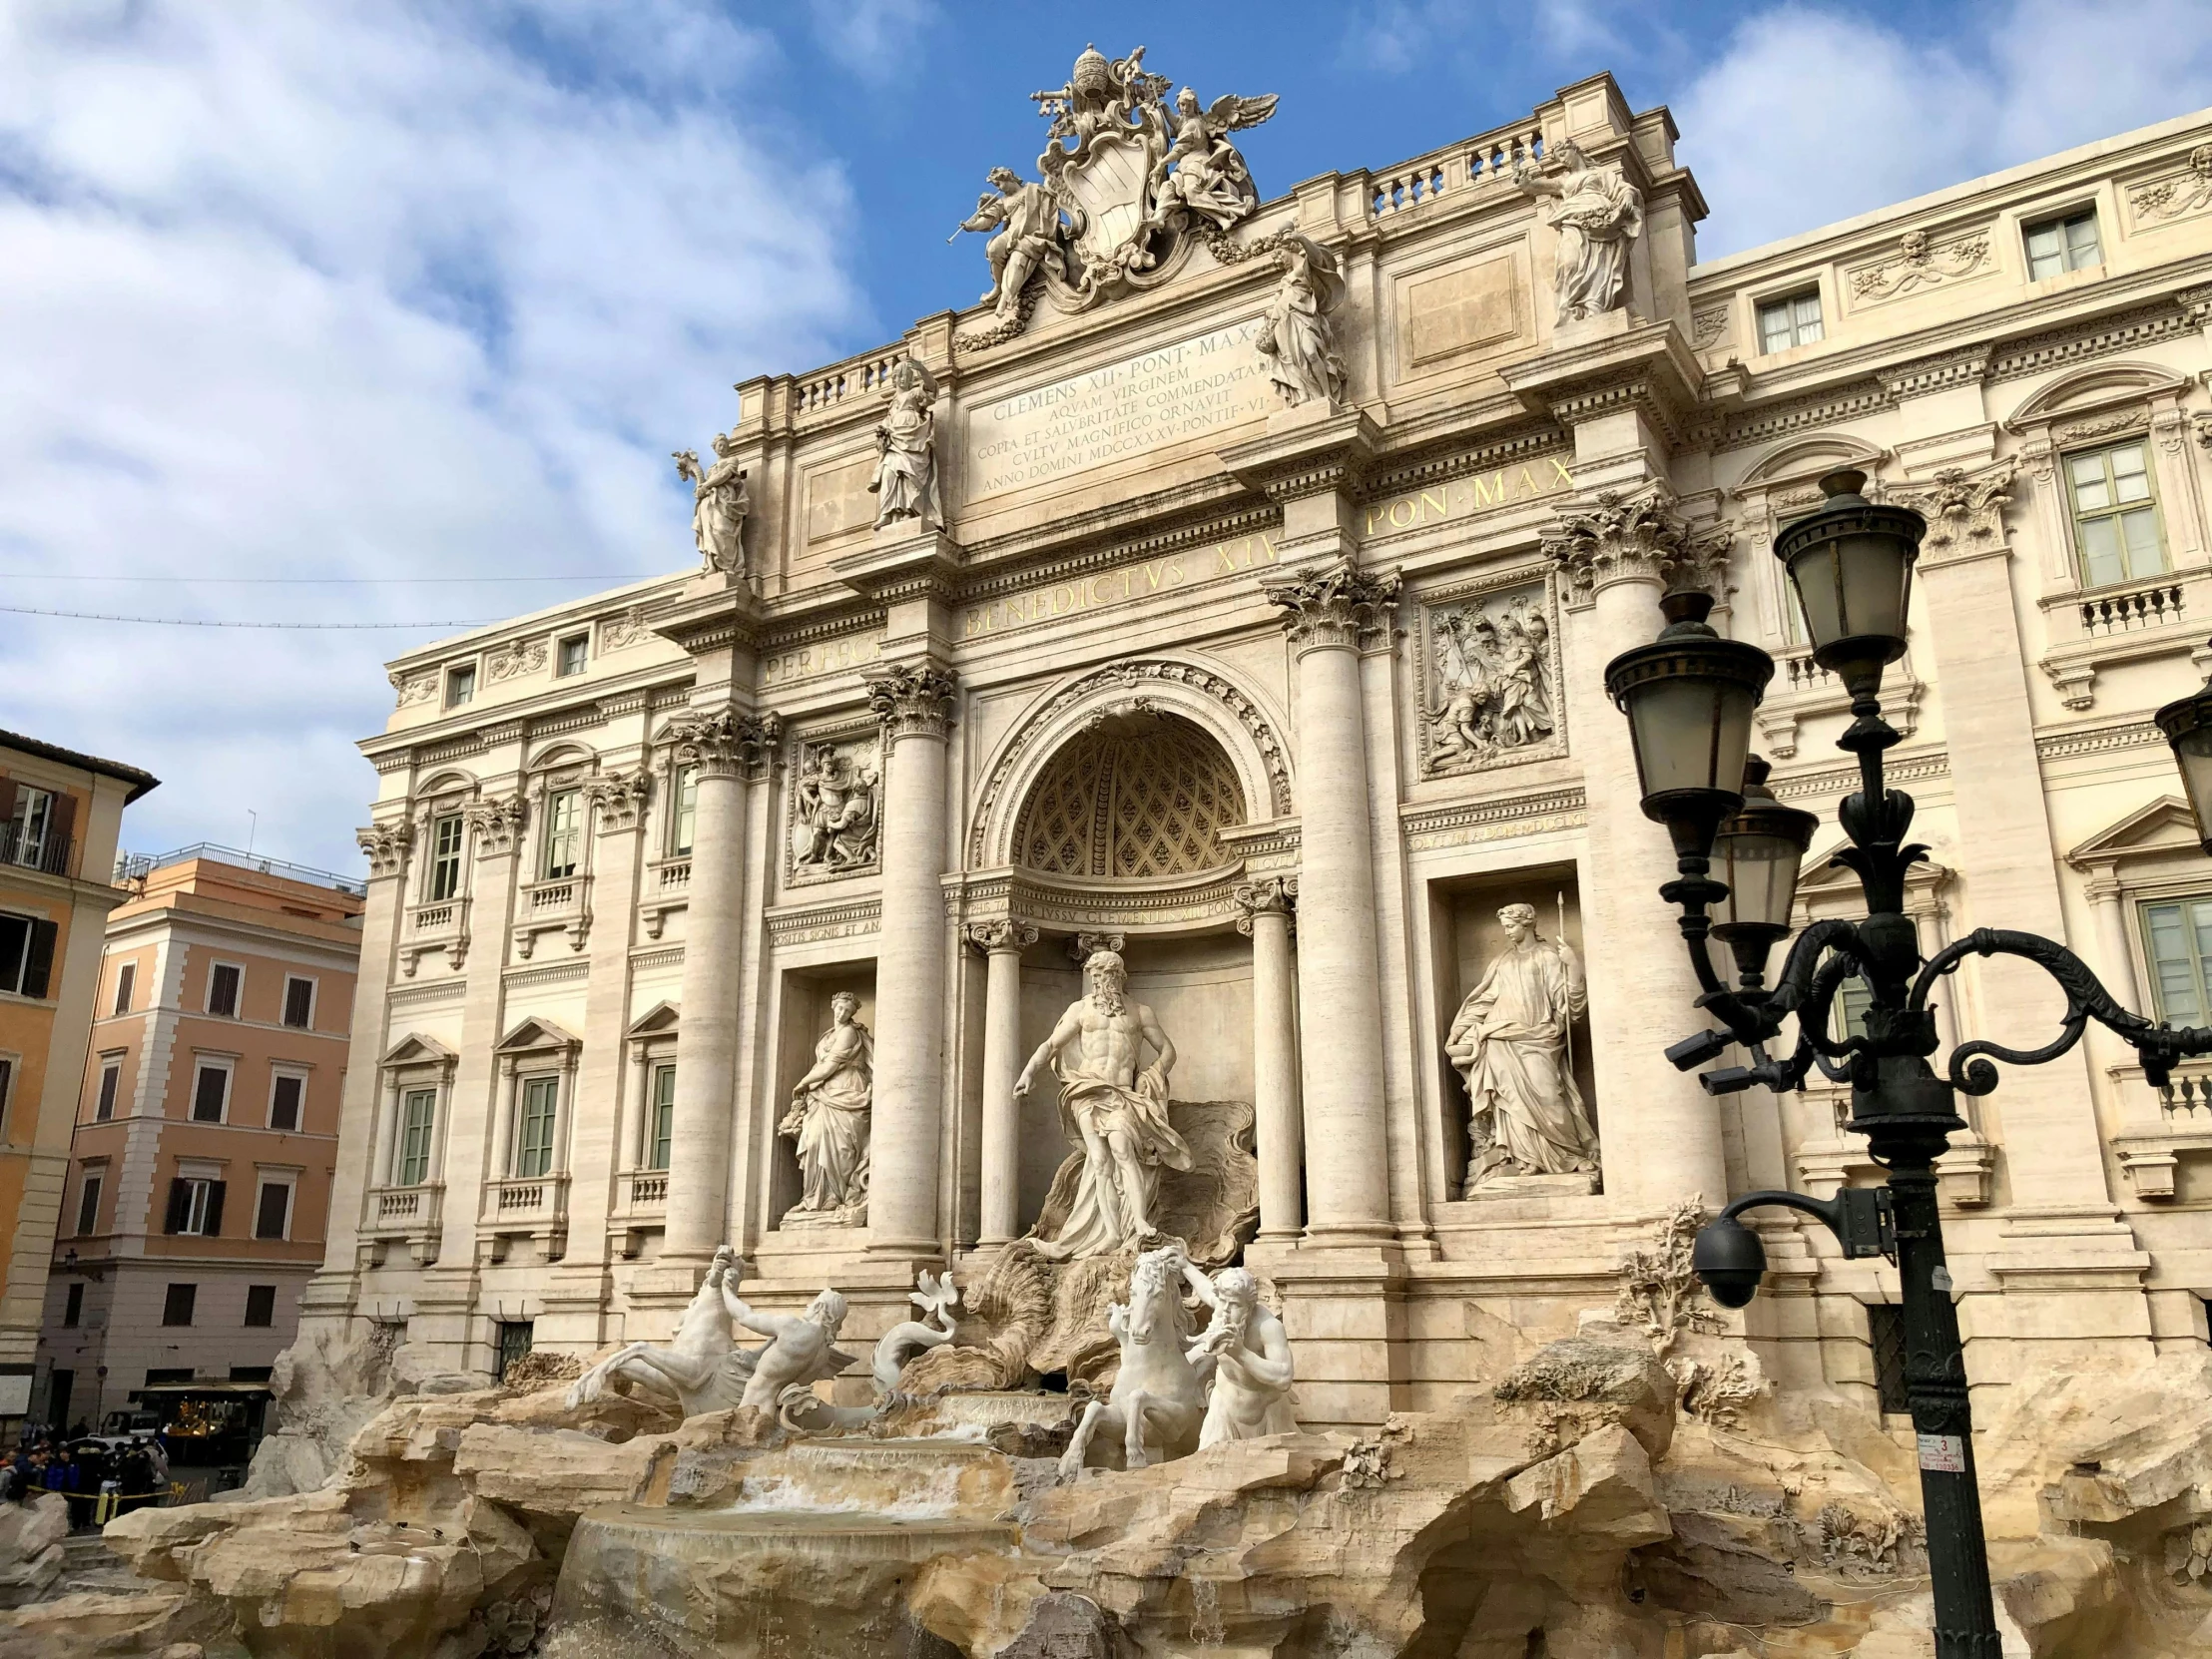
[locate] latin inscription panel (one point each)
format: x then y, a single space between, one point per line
1117 411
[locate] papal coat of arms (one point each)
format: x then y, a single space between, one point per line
1130 181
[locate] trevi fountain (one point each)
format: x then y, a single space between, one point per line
1057 1052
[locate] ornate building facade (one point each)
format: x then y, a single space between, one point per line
1230 593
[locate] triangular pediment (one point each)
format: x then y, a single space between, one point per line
535 1033
2165 827
414 1049
656 1021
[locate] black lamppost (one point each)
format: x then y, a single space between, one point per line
1689 699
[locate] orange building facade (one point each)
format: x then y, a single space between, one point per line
60 814
205 1129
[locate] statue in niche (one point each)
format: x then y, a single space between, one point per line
905 482
1252 1363
1510 1042
1297 339
718 506
833 813
1493 685
1117 1111
1031 237
829 1118
1597 213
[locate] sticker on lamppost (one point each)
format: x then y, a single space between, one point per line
1943 1453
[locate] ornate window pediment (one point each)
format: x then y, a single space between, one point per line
416 1049
535 1035
1135 795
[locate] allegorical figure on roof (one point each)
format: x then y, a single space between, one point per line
1597 213
1298 338
1029 236
905 482
1202 170
718 506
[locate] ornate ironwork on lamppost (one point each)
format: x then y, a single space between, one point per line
1689 698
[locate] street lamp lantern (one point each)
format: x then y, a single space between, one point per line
1852 566
2187 722
1756 857
1689 696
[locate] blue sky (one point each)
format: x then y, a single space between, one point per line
424 291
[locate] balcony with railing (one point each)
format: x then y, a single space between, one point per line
440 925
520 1208
1454 169
411 1218
667 888
556 904
2166 1125
46 852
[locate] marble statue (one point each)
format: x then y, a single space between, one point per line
1029 237
902 1344
1509 1041
1493 685
1252 1360
905 482
1118 1111
1298 338
1202 171
718 506
1597 213
829 1118
705 1369
833 813
1159 1394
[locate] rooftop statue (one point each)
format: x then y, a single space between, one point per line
905 481
1597 213
1297 339
1128 180
718 506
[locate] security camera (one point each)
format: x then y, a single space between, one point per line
1730 1260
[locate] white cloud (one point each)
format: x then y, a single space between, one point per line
872 38
372 290
1812 115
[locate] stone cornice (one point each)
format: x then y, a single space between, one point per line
1333 453
1649 368
717 612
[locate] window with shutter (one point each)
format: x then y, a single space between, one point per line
534 1145
88 1206
39 962
664 1117
210 1092
176 1306
283 1102
420 1112
299 1003
211 1224
445 857
72 1310
7 1091
260 1305
126 981
272 1210
195 1206
15 950
223 991
180 1205
111 1077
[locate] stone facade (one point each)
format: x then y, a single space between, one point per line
1292 697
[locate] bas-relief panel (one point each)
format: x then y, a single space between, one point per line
1486 662
834 817
1117 411
1460 309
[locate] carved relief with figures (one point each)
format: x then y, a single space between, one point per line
1490 678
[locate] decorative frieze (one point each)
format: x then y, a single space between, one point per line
2178 194
619 633
1337 608
835 808
386 845
1635 537
723 742
497 821
913 700
413 686
1922 262
619 798
1487 659
514 658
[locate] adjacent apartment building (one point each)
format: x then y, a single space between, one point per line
60 813
206 1129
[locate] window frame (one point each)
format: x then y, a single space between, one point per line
263 1181
2079 518
18 978
277 1076
1790 301
29 853
191 1305
73 1306
660 1123
459 684
683 816
403 1154
1887 1343
199 1207
238 992
569 798
315 996
2062 220
547 1086
581 645
444 862
10 1064
110 1090
91 1189
2200 972
200 1065
249 1321
126 986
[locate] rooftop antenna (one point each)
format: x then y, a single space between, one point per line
252 829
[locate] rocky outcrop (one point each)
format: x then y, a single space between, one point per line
31 1553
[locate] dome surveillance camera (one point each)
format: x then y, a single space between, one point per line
1730 1260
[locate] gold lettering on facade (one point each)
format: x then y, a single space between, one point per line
1465 497
1115 587
810 662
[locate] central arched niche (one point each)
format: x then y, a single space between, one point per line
1135 795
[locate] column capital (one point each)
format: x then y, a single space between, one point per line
1635 536
618 799
386 845
1338 605
991 937
913 700
1085 946
722 743
498 820
1271 895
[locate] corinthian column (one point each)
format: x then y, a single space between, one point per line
723 745
1264 914
913 702
1002 943
1660 1132
1330 615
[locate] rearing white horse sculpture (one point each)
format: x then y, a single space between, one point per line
1159 1395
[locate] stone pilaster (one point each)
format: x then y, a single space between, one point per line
722 744
1265 912
1660 1133
913 701
1002 943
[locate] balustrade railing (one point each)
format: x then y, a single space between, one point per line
2118 613
1460 167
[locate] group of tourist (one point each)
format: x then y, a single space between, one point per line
101 1478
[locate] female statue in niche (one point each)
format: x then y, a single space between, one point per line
829 1116
1509 1042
